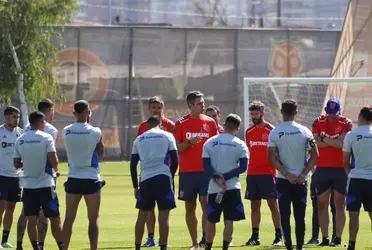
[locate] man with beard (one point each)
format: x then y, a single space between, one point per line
214 112
156 107
261 174
10 192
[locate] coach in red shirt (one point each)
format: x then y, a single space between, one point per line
214 112
329 131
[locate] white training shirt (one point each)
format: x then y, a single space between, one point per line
33 148
224 150
292 143
81 141
7 141
49 129
359 143
153 148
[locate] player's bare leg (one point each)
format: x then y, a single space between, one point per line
7 223
150 224
2 210
192 221
227 233
210 234
32 231
93 202
163 228
353 228
203 204
323 215
21 228
340 216
42 228
140 227
72 204
256 220
56 228
274 208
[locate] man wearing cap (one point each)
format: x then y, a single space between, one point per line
329 131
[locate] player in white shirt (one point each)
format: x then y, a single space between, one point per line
289 145
84 146
10 192
45 106
35 152
225 156
358 164
153 149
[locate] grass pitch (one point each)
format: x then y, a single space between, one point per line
118 216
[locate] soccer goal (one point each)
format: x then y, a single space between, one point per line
311 95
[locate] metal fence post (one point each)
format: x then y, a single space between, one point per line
130 97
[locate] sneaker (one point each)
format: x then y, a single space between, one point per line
7 245
231 244
277 242
194 247
149 243
313 241
202 243
253 242
325 242
336 242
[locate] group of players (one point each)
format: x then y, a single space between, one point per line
29 171
280 161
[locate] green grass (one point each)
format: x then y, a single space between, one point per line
118 216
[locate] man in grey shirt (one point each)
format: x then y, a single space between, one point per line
358 164
289 144
221 155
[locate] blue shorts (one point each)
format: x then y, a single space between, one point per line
83 186
9 189
358 193
193 184
40 198
260 187
157 189
326 178
231 206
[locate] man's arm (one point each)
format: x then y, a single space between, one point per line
347 148
53 159
243 164
133 169
336 142
347 166
319 141
272 157
100 148
17 163
314 155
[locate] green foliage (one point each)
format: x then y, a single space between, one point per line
30 24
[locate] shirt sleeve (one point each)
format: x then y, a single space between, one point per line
244 153
315 127
16 153
54 134
347 143
170 127
178 132
134 147
172 143
205 153
310 139
272 140
140 129
98 134
50 144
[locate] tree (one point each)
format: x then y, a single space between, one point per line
28 53
212 11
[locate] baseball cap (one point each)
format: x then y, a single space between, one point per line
333 106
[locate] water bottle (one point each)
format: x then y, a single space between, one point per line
219 197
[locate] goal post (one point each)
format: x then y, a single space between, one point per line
311 94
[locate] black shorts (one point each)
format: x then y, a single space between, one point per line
40 198
260 187
358 193
288 192
193 184
326 178
157 189
9 189
231 206
83 186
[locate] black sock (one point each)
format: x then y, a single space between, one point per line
203 237
41 245
255 233
59 244
19 244
163 247
351 244
278 233
208 246
151 235
337 240
35 245
138 246
5 236
225 245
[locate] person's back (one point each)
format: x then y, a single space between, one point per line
153 149
81 141
49 129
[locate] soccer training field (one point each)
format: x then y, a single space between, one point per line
118 216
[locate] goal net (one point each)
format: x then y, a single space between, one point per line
311 95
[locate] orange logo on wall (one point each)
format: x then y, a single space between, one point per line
83 66
286 59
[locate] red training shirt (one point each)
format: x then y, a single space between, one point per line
187 128
330 156
166 125
257 139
